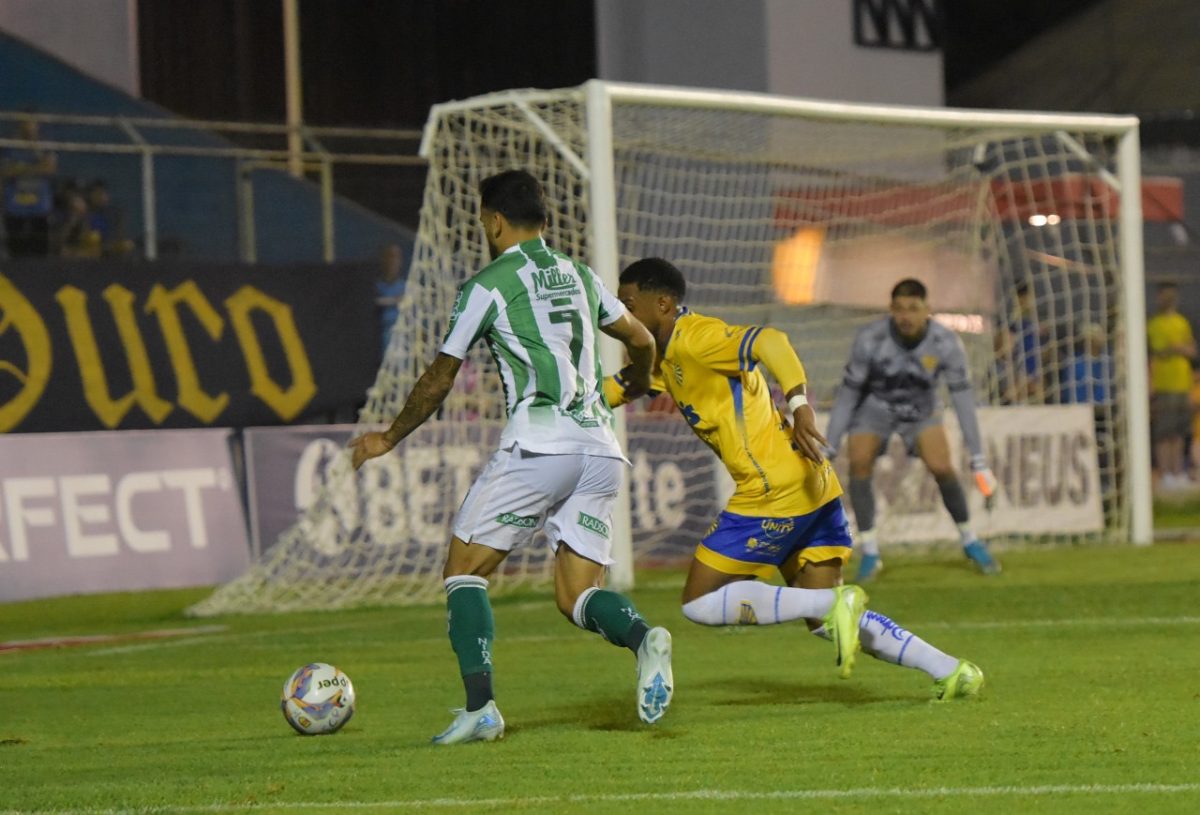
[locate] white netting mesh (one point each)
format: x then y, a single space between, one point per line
781 218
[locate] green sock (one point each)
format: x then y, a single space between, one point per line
612 616
470 625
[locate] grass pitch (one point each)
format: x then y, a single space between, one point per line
1091 705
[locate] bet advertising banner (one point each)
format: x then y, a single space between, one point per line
1045 459
119 511
100 345
413 493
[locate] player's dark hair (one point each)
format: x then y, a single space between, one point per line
1167 285
656 275
517 196
910 287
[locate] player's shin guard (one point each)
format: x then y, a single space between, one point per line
472 629
612 616
749 602
954 498
885 640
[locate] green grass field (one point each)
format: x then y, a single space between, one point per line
1092 704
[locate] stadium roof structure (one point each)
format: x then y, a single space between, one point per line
1118 56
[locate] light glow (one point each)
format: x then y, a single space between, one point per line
1053 219
794 265
962 323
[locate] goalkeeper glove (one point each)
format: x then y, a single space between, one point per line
985 480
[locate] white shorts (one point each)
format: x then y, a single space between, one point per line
518 492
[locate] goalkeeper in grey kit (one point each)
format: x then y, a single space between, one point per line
890 386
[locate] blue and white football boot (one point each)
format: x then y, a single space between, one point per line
485 724
976 552
868 568
656 683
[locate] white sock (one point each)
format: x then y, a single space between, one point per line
749 602
965 534
868 541
883 639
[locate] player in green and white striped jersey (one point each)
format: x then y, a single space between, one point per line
558 466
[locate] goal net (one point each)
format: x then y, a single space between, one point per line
800 215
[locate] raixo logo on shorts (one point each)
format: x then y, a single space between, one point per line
523 521
593 525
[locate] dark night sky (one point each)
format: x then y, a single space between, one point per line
384 62
980 32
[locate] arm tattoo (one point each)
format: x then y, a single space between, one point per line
426 397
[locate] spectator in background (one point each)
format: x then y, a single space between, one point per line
1000 373
107 221
389 288
1029 340
27 178
74 236
1172 347
1087 380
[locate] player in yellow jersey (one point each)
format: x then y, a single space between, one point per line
785 516
1172 348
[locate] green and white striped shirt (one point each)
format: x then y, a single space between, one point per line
539 313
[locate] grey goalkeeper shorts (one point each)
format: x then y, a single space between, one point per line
874 416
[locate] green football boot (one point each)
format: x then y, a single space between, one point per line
966 681
841 623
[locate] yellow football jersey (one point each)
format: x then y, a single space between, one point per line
711 370
1169 373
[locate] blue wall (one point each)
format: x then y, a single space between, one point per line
197 204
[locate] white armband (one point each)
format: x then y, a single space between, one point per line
796 402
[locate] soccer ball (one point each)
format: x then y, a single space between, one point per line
317 699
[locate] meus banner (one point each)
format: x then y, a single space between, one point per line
100 345
120 511
1045 459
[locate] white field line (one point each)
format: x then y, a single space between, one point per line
241 635
1037 791
75 641
1103 622
1070 622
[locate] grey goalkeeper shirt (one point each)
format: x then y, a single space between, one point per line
905 379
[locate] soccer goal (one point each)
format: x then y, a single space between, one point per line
800 214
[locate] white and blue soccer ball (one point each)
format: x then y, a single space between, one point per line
317 699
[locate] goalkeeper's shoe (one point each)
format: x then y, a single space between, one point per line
841 623
965 681
485 724
868 568
978 554
656 683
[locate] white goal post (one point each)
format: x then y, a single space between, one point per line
797 213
